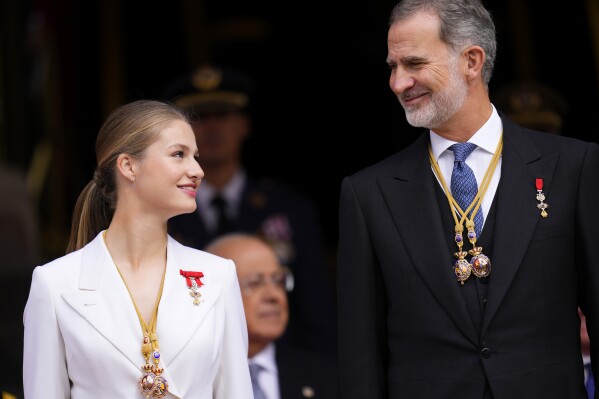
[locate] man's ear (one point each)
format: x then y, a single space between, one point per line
125 167
475 58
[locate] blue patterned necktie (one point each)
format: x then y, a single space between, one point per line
463 182
590 384
255 369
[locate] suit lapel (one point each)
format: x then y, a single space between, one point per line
103 300
178 317
517 214
412 202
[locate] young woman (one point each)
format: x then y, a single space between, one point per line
129 312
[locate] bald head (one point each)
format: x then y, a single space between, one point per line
243 249
262 283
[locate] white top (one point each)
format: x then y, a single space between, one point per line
83 339
486 140
269 377
586 359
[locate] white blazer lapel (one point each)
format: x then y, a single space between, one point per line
178 317
102 299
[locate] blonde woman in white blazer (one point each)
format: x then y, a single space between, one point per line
89 332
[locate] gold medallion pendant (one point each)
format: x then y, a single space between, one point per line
480 264
461 266
152 383
462 269
146 382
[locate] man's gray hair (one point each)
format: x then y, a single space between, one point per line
463 23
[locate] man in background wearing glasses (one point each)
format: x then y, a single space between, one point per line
278 371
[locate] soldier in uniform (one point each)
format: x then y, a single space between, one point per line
230 199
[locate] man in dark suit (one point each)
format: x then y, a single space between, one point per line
445 291
278 371
219 101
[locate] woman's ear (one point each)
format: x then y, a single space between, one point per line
125 167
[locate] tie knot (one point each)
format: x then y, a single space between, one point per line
218 201
462 150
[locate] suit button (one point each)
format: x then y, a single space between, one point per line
485 302
308 392
485 353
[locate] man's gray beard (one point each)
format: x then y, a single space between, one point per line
442 106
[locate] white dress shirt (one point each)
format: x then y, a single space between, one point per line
586 359
486 140
269 377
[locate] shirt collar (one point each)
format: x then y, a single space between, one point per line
266 358
231 192
486 138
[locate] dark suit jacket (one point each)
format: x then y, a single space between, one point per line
406 330
302 373
312 302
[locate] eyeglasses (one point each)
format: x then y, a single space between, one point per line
255 283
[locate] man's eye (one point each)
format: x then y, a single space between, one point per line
280 280
415 64
254 284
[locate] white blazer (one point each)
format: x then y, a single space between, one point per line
83 337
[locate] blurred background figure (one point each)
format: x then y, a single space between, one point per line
19 248
585 344
18 222
231 199
278 372
533 104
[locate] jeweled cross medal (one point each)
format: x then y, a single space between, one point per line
194 283
542 205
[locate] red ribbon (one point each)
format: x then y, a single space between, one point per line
539 183
195 275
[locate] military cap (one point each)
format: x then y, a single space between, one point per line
211 88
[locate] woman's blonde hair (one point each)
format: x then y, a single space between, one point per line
130 129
